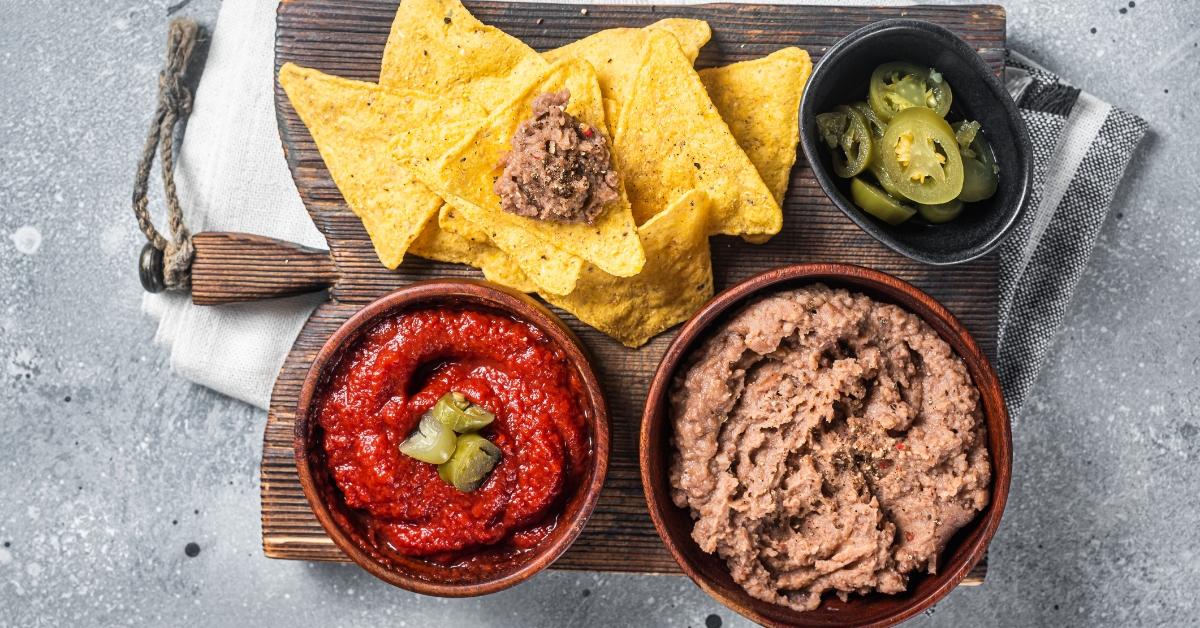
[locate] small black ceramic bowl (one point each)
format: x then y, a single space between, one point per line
841 77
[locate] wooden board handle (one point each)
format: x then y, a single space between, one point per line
234 267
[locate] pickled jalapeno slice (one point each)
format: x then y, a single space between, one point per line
877 126
920 154
981 176
942 212
857 145
433 442
457 412
831 126
878 203
473 459
899 85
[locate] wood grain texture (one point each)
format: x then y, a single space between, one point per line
346 38
233 267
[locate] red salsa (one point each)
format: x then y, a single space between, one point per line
399 369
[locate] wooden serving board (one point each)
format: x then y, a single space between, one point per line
346 38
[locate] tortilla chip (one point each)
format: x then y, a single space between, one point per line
465 176
671 139
438 47
352 124
453 222
691 34
616 54
760 101
550 269
438 244
675 282
611 115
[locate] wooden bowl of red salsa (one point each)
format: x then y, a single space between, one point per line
389 364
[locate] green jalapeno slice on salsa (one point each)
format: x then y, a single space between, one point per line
921 156
457 412
899 85
878 203
474 458
433 442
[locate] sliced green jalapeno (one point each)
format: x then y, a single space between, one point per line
878 203
921 156
830 126
455 411
980 173
857 145
473 459
433 442
899 85
942 212
876 125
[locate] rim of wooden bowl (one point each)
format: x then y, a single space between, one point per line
708 571
319 489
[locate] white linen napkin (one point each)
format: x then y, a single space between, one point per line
232 177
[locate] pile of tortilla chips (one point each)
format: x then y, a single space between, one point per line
698 153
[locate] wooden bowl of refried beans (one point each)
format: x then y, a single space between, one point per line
825 445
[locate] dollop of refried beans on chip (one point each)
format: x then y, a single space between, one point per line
559 168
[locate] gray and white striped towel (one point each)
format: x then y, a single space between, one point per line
232 177
1081 148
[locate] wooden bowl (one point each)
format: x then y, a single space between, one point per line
708 571
490 569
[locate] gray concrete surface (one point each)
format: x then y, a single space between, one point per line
110 465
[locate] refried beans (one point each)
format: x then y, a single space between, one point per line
559 168
825 441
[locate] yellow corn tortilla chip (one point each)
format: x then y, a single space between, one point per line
691 34
453 222
675 282
438 244
611 114
760 101
438 47
465 177
549 268
616 54
671 139
352 124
